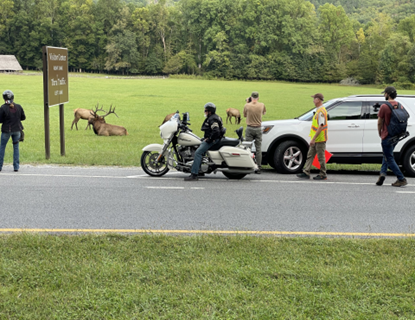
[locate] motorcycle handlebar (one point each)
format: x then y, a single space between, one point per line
185 127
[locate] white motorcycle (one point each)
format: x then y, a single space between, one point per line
233 157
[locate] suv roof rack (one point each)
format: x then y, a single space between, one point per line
380 95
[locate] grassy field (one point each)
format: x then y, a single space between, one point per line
141 105
205 277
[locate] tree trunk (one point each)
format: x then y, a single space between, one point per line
199 56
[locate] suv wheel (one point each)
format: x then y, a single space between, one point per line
289 157
409 161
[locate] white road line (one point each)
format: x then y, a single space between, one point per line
137 176
147 176
405 191
60 175
180 188
176 188
322 182
224 180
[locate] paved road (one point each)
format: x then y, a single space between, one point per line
126 199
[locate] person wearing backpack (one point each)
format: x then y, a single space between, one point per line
389 131
11 115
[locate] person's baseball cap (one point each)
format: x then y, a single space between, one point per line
255 95
318 95
389 90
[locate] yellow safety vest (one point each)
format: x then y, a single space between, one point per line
314 126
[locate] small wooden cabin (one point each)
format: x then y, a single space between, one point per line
9 63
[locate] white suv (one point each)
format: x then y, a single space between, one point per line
352 135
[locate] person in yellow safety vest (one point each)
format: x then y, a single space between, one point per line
318 134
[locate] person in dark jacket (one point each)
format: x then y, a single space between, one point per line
11 115
212 127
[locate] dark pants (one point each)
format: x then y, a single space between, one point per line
5 136
203 148
388 160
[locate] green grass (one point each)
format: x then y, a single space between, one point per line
205 277
141 105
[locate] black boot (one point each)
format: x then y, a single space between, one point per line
192 177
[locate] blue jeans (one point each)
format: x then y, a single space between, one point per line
5 136
205 146
388 160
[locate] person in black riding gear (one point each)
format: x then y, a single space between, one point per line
213 132
11 117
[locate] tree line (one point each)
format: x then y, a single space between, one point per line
233 39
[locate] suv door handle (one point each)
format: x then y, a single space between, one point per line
353 126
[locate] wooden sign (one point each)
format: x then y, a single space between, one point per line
57 76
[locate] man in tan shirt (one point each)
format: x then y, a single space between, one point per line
253 112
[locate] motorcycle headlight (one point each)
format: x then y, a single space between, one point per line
266 129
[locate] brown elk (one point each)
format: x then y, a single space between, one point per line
84 114
168 117
231 112
102 128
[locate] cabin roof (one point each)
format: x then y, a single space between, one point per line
9 63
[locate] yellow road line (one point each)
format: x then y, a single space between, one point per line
276 233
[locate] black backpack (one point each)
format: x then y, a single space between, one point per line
398 121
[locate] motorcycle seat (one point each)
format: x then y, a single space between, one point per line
229 142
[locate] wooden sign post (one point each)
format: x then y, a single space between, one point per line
55 89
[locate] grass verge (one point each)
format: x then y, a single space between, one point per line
205 277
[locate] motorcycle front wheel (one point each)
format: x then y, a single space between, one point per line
151 166
236 176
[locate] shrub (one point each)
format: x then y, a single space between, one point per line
404 85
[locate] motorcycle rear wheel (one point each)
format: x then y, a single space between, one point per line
151 166
235 176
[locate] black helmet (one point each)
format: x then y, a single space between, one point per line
210 107
8 95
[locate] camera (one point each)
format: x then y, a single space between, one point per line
248 99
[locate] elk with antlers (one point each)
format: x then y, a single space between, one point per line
102 128
231 112
84 114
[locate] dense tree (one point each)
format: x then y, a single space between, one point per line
295 40
335 29
122 53
407 27
392 67
6 13
182 62
80 36
376 34
411 64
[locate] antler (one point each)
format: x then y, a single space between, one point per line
94 113
111 111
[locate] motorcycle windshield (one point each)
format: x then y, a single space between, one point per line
168 128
